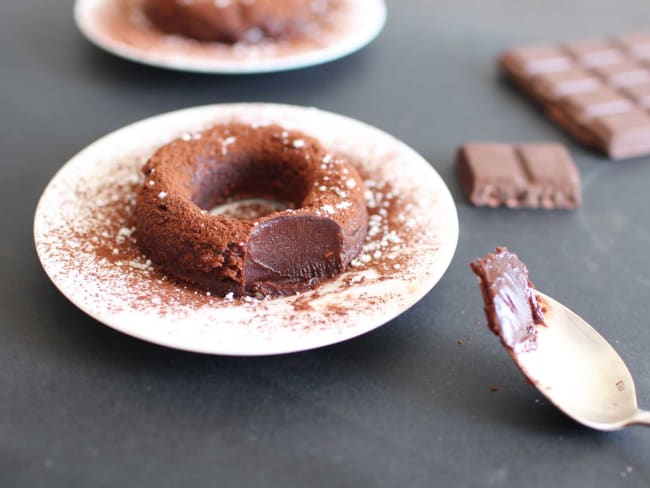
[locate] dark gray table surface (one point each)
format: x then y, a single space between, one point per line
83 405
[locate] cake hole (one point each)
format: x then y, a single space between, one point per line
249 208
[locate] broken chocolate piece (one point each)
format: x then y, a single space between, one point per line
529 175
583 82
510 305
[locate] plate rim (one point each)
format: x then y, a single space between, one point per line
447 249
291 63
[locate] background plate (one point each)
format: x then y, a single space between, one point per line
122 30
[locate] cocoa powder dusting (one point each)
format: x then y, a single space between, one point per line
86 239
186 178
108 239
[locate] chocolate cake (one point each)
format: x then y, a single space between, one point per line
231 21
511 309
280 253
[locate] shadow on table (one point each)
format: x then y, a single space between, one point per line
298 86
303 375
496 393
87 337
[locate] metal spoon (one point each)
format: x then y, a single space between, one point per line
580 372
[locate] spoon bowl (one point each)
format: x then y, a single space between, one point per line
579 371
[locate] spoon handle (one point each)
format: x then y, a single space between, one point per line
642 418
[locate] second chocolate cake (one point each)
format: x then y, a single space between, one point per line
231 21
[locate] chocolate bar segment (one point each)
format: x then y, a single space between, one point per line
585 106
637 44
553 86
640 94
625 73
624 132
596 52
491 174
554 178
587 87
535 60
540 175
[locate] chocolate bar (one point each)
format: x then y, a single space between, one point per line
530 175
598 90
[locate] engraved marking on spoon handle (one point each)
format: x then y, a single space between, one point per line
641 418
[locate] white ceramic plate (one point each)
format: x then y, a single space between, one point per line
84 241
120 28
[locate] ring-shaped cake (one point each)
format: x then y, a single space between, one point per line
281 253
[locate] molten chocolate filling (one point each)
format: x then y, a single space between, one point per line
511 308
